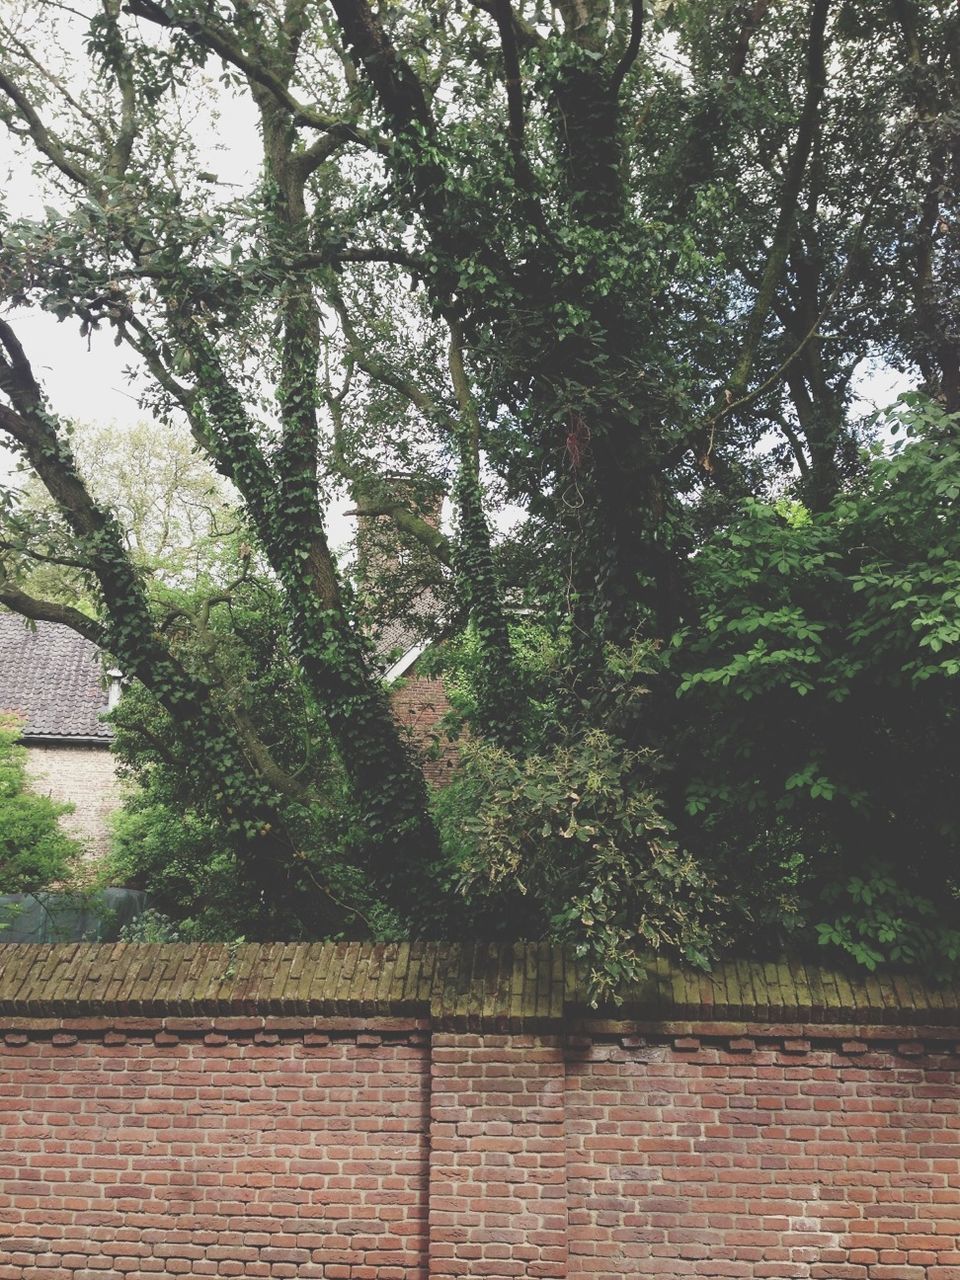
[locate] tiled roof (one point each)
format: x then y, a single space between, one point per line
401 636
470 985
395 637
53 678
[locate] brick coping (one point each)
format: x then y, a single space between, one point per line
470 986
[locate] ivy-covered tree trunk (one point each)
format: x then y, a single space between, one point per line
333 655
246 802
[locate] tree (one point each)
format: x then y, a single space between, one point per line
179 522
216 607
596 252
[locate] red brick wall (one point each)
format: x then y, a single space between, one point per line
299 1148
419 704
497 1159
298 1156
753 1160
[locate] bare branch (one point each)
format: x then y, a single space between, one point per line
66 562
27 53
329 143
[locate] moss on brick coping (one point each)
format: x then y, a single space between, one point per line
470 985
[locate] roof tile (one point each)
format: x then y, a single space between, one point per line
53 678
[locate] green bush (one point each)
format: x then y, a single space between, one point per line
576 835
34 851
819 694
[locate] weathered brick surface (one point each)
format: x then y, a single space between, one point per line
753 1161
497 1158
419 704
516 987
450 1113
85 776
258 1156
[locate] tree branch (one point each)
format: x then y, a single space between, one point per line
242 722
407 521
330 142
503 13
27 53
122 148
219 41
706 430
525 35
48 611
64 562
369 493
43 139
790 195
400 92
738 59
632 49
375 369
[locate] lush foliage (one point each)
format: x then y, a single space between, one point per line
620 268
573 841
820 704
35 852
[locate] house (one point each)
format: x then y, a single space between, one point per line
54 680
419 702
384 562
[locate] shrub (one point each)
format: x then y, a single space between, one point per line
34 850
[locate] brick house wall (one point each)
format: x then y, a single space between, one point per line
419 704
349 1112
83 775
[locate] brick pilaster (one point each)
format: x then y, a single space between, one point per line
498 1166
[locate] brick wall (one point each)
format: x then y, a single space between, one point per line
419 704
81 775
213 1154
761 1157
451 1139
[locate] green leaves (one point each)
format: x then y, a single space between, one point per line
880 920
823 702
580 830
35 851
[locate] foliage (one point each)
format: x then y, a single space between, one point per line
820 698
618 266
180 523
35 852
537 656
151 926
571 839
879 921
169 837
